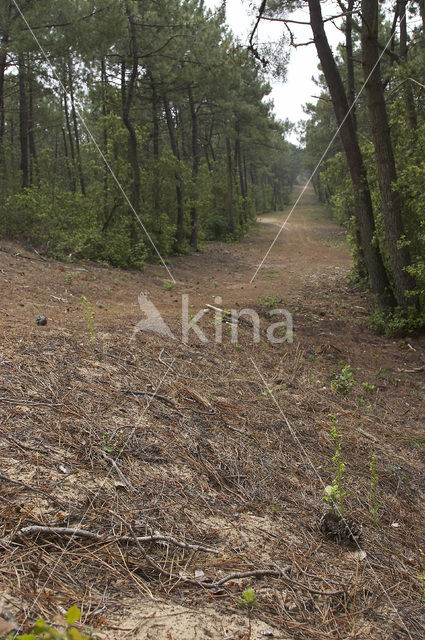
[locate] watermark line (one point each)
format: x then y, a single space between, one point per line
94 142
316 473
316 168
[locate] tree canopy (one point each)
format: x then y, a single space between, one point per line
154 96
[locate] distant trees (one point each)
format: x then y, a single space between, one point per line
178 108
365 177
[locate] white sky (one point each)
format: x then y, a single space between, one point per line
299 88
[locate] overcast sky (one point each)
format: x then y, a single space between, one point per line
288 97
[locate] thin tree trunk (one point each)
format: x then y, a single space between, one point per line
127 96
76 131
67 161
176 153
196 156
363 211
4 43
230 187
412 118
31 136
104 83
71 143
3 65
23 122
387 175
350 61
155 139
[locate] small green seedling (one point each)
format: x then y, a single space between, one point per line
169 285
368 387
270 302
247 601
90 319
41 630
333 493
374 490
69 277
343 382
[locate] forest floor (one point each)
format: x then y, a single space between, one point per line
109 439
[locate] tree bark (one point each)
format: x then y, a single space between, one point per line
104 83
31 132
363 210
71 143
230 187
387 175
351 87
196 161
23 122
76 130
127 96
4 43
176 153
412 118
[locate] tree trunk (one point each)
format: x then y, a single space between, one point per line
155 101
239 166
412 118
104 83
71 143
363 211
4 43
67 161
31 131
230 187
3 65
176 153
387 175
23 122
127 96
351 87
196 156
76 131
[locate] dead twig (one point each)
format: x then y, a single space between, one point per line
101 537
118 470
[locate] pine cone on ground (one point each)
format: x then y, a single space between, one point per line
341 529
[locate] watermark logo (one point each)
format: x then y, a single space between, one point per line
153 322
275 333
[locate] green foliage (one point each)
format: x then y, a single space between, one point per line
248 600
41 630
270 302
399 322
343 382
334 494
72 207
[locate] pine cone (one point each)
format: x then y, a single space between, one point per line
342 530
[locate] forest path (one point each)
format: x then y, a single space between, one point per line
311 246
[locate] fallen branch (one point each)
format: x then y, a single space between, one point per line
238 575
101 537
118 470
